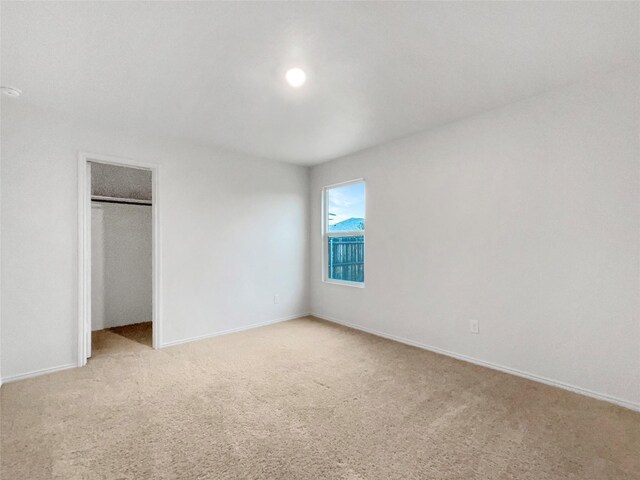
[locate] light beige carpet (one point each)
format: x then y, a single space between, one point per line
125 339
305 399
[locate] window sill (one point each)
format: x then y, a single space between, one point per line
345 283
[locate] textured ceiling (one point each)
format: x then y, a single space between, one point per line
213 72
120 182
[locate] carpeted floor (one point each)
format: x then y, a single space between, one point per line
125 339
305 399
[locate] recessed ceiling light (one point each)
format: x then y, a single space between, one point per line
10 91
296 77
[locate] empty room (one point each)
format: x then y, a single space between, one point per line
319 240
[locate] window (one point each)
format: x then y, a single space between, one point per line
343 233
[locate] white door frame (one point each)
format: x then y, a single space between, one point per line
84 247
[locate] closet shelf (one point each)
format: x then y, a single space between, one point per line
124 201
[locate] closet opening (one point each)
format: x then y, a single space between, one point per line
118 257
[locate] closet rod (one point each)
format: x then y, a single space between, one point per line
122 201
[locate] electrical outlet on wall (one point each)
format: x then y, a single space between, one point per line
474 326
276 299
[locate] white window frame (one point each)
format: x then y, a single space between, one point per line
326 234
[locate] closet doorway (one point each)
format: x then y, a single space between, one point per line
118 258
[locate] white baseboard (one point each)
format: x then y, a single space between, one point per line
37 373
530 376
232 330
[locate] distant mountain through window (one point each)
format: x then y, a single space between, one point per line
348 225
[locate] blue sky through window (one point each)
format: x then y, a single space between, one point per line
345 202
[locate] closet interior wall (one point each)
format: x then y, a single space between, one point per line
121 246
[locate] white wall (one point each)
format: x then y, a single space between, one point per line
121 265
233 233
526 218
